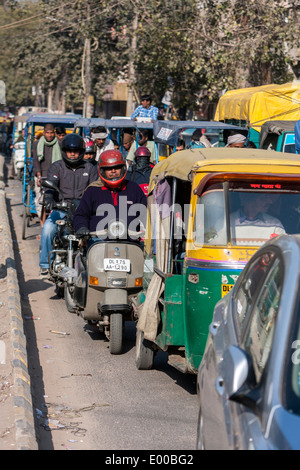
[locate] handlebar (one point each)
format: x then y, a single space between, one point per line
62 206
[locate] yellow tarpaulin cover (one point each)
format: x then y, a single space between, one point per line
256 105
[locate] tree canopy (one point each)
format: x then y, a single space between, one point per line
193 49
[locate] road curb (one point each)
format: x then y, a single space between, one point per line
22 399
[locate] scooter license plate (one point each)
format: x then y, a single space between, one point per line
117 264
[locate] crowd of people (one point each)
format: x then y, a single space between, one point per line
93 170
96 170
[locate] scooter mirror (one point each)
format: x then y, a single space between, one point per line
134 234
49 184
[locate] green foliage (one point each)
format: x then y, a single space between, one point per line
190 47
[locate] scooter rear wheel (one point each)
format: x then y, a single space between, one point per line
116 333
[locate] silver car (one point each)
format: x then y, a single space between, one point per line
249 379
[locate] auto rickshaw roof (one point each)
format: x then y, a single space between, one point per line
181 164
49 118
275 127
255 105
167 132
88 123
22 117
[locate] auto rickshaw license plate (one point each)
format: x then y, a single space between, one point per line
226 288
117 264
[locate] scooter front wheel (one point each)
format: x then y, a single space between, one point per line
116 333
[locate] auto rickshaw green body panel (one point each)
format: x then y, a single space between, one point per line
189 278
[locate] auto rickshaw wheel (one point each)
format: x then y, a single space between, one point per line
26 214
144 353
116 333
25 223
70 304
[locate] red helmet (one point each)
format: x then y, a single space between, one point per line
111 159
142 152
90 146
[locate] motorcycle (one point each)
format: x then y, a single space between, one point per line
100 277
109 275
64 246
19 159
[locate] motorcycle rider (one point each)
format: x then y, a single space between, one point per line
140 170
72 175
111 197
90 151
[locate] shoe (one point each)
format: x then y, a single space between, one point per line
44 271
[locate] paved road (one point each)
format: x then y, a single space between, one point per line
83 397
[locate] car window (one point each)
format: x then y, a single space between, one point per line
260 330
291 381
249 285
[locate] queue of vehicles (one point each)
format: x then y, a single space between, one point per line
187 268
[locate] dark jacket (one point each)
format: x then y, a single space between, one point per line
71 181
98 204
140 172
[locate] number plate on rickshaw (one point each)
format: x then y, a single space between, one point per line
117 264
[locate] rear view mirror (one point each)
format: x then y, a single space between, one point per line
49 184
234 370
239 378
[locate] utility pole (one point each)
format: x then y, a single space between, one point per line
86 72
2 92
131 74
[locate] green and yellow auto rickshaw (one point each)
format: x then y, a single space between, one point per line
209 210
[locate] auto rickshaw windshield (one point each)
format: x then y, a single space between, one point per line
233 213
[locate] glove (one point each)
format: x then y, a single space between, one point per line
82 232
49 204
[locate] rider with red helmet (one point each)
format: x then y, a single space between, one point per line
112 197
141 169
90 150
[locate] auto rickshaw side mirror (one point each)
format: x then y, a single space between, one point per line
239 379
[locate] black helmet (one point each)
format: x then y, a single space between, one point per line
73 142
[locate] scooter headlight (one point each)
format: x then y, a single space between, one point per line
117 229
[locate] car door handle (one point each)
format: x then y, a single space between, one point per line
220 386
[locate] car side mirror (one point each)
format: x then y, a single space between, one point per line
239 378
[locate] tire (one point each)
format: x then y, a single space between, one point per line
70 304
116 333
26 214
24 224
200 437
59 290
144 353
